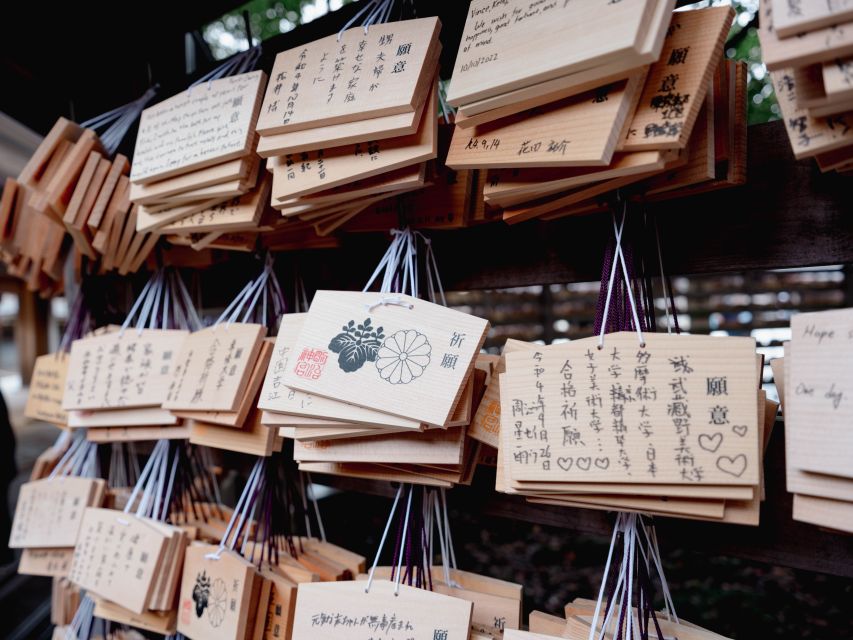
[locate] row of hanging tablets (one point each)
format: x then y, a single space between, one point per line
389 383
353 133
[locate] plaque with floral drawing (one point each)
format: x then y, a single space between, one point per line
388 352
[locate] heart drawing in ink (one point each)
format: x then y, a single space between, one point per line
711 443
733 466
565 463
602 463
740 429
584 463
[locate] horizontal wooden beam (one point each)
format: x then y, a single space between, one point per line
779 540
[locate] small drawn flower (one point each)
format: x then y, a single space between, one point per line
403 357
357 344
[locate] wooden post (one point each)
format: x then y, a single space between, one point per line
30 331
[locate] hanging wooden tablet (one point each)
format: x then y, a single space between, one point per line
820 45
838 79
433 447
315 171
144 416
147 220
395 354
164 190
350 76
164 623
704 389
795 18
511 102
332 610
515 44
338 135
122 369
508 187
818 411
830 514
49 512
239 212
199 127
62 130
676 86
119 167
276 396
118 556
215 596
579 131
47 386
53 562
213 367
809 136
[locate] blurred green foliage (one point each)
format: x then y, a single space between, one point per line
268 18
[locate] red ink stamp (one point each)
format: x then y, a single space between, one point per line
186 610
310 363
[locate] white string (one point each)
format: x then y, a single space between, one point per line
447 533
354 19
628 280
619 258
313 498
146 471
382 540
305 503
663 282
139 301
403 541
387 301
244 499
604 580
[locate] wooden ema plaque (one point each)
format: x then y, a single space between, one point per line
357 77
410 358
49 511
516 43
345 611
301 174
809 136
677 84
821 45
213 367
47 387
215 595
819 406
800 16
578 131
121 369
118 556
681 410
276 396
201 126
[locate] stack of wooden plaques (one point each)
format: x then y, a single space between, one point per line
195 151
117 382
578 618
673 126
48 519
69 186
349 120
818 436
131 567
377 385
676 427
808 48
516 56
